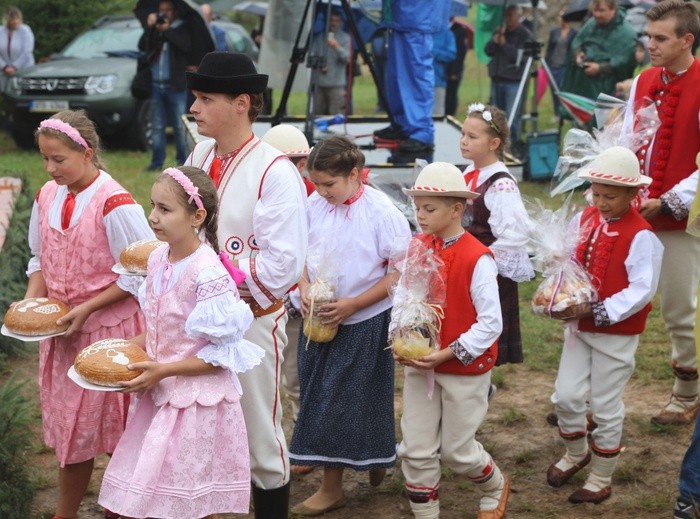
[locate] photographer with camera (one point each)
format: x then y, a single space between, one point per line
506 49
166 41
602 53
330 53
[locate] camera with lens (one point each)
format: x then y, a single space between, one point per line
160 19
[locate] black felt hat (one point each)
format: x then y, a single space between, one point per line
227 73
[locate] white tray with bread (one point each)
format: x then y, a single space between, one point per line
104 364
133 261
73 375
34 319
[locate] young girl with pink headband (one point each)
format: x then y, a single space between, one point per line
184 452
81 221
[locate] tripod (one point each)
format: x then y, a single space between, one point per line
316 63
533 51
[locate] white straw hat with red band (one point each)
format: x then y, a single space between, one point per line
440 179
616 166
289 139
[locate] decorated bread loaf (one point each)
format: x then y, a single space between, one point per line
36 316
135 257
105 362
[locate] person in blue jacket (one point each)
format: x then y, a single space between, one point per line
409 71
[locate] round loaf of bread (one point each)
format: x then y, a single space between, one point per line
36 316
105 362
135 257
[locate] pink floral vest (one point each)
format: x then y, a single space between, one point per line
166 340
77 263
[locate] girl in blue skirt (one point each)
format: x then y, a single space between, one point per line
346 417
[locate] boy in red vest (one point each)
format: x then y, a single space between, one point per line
622 256
445 393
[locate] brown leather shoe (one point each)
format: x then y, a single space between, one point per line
500 511
679 411
557 477
376 476
588 496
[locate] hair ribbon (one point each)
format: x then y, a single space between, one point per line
182 179
66 129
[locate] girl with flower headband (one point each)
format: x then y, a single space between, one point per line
189 393
81 221
497 218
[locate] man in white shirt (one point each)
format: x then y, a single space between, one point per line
262 227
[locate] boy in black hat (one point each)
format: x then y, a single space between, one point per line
262 227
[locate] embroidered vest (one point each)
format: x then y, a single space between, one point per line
240 189
166 340
671 156
478 224
460 259
77 262
603 255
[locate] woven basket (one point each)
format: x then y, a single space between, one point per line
569 312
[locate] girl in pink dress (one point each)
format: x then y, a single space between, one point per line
81 221
184 452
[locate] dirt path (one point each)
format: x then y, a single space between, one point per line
516 433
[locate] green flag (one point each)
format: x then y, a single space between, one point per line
488 18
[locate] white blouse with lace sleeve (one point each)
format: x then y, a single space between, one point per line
510 225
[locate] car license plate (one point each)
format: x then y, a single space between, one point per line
48 106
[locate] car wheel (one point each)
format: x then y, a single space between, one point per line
139 136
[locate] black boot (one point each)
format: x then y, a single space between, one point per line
271 504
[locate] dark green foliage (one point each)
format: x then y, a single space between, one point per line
13 262
16 490
56 23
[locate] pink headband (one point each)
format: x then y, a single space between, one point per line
66 129
187 185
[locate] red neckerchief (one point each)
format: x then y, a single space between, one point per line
218 160
354 198
69 205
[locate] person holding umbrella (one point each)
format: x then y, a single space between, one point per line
166 41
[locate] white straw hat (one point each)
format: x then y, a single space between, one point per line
616 166
440 179
288 139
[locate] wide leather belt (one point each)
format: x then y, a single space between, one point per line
259 311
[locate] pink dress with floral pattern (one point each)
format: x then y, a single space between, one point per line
77 266
184 452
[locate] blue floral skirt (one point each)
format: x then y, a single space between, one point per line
346 417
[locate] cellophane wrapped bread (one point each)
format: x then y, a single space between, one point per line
323 266
418 298
566 287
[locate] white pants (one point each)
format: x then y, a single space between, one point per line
597 367
678 285
262 408
290 370
447 423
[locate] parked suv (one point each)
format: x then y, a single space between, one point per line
94 72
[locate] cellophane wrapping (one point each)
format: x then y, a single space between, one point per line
418 299
323 265
566 284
